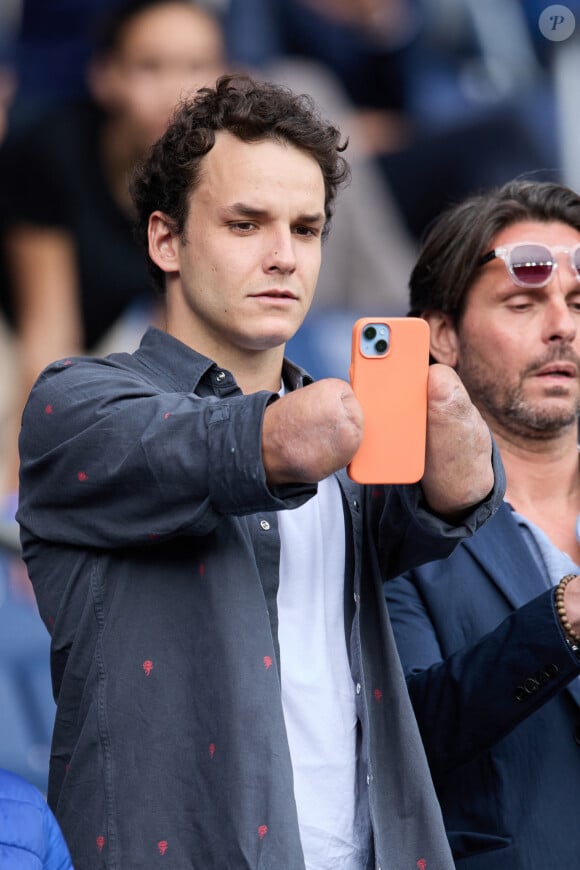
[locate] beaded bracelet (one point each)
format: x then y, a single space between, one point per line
561 608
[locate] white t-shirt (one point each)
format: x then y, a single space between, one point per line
318 694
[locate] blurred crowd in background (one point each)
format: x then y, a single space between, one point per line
438 98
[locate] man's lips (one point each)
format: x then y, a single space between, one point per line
275 294
558 370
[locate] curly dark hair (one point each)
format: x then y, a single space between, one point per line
253 111
449 258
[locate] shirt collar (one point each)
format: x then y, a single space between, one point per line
183 368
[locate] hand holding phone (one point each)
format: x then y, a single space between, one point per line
388 374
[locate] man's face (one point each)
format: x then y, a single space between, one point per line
249 259
164 53
517 350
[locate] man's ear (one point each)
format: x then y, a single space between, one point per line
443 342
163 242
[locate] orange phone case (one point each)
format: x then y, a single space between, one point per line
392 390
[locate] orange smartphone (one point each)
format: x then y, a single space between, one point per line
388 374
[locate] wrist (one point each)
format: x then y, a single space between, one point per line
562 599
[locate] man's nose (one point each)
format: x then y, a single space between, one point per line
281 256
560 323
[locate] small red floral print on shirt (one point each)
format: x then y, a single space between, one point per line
262 831
100 843
202 569
49 409
211 750
167 415
82 476
267 662
421 864
147 667
162 846
378 694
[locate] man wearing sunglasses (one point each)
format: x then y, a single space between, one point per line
490 638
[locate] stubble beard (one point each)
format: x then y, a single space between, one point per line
508 408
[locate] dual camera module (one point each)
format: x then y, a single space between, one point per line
375 339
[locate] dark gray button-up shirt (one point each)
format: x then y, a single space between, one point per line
150 536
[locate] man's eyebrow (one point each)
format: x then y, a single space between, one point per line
317 218
242 209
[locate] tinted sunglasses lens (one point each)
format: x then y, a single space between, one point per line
532 265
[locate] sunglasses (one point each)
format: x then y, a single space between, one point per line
532 264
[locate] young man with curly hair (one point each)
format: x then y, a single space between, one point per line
228 690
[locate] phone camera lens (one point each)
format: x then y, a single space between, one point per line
381 346
369 333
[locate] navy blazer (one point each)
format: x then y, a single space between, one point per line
491 678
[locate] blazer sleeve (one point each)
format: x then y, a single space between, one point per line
468 700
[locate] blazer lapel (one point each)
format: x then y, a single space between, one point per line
504 555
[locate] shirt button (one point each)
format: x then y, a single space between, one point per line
369 778
220 377
356 599
358 688
265 525
355 504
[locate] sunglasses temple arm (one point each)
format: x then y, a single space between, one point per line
487 257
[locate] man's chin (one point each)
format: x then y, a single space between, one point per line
273 338
270 342
547 420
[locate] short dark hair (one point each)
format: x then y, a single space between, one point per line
253 112
448 260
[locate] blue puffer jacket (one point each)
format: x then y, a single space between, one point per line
30 838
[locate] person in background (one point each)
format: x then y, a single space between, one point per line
490 638
228 689
29 833
75 280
